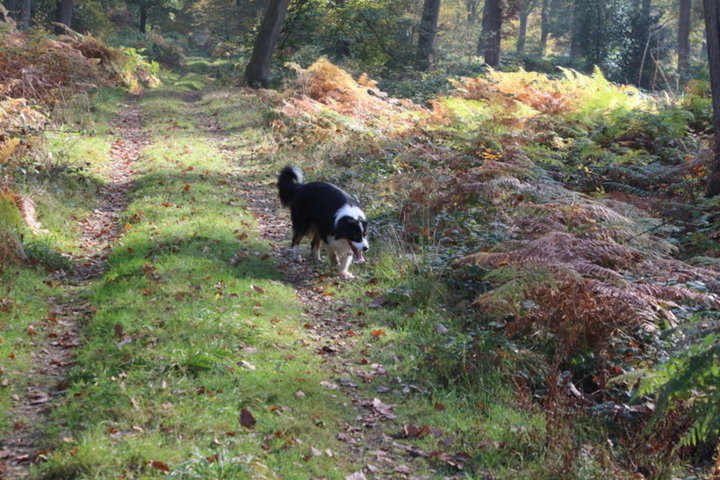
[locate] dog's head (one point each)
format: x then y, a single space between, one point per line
355 232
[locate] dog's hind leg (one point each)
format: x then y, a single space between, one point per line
315 244
295 246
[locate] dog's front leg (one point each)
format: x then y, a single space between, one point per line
344 264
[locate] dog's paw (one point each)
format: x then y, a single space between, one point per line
295 255
346 275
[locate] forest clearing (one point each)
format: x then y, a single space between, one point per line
540 297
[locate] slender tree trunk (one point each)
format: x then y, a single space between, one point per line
25 13
711 10
522 29
684 39
428 32
544 26
471 8
342 45
491 29
575 34
142 26
257 72
63 14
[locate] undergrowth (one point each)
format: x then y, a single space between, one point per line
540 205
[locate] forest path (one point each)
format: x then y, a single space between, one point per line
59 333
340 337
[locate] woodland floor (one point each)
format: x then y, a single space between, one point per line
61 327
368 435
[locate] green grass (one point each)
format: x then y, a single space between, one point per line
24 298
201 337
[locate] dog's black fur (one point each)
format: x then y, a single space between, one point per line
328 215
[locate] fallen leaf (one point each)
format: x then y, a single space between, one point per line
247 365
377 333
119 331
162 466
383 408
412 431
38 398
246 418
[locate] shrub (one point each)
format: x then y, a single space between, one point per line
164 52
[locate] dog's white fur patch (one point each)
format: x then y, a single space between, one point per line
351 211
295 254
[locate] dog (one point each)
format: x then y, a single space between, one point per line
327 215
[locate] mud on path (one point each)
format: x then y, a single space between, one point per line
59 332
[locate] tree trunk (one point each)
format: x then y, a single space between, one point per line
544 26
522 29
711 10
489 42
25 13
683 65
142 26
63 14
257 72
428 31
471 8
341 48
575 34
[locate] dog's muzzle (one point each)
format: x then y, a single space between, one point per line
358 249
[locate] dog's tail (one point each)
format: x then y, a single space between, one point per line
289 182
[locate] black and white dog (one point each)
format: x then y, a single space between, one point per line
326 214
